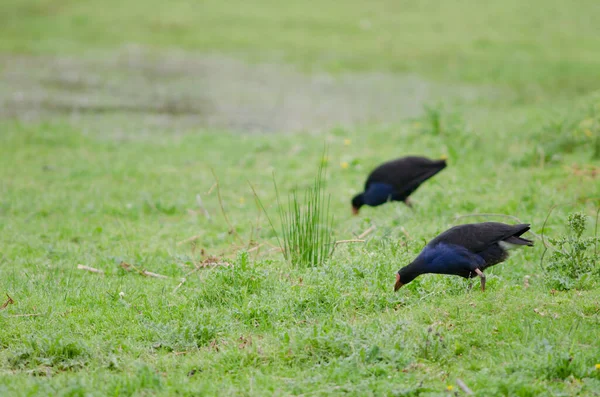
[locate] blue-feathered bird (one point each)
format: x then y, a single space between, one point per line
466 251
396 180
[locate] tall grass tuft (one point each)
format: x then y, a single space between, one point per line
306 223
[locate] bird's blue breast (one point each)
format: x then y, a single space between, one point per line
450 259
378 193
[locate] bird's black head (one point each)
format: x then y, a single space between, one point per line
405 276
357 202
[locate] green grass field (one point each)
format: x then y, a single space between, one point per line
114 115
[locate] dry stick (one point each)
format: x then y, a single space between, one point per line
366 232
405 232
223 208
195 269
180 284
211 189
90 269
10 301
464 387
126 266
150 274
146 273
349 241
255 247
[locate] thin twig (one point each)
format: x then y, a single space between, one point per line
199 202
211 189
195 269
596 235
150 274
349 241
211 261
464 387
179 285
146 273
128 267
255 248
335 244
543 240
9 301
190 239
90 269
266 213
367 232
223 208
405 232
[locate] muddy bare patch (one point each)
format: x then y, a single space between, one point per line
179 89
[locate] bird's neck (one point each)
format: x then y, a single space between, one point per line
378 193
415 269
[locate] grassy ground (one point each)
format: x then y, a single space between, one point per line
105 167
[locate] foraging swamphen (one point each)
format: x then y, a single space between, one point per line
396 180
466 251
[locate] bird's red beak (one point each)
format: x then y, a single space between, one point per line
355 210
398 283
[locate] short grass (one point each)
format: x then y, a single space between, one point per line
80 190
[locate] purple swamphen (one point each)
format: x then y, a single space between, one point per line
396 180
466 251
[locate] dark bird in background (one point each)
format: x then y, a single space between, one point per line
396 180
466 251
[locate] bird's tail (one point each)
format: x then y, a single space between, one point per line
517 239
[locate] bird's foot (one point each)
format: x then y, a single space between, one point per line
482 278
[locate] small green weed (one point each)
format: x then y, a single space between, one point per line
575 257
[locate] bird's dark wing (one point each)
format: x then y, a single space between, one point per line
477 237
402 192
405 174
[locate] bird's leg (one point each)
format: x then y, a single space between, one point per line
482 277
